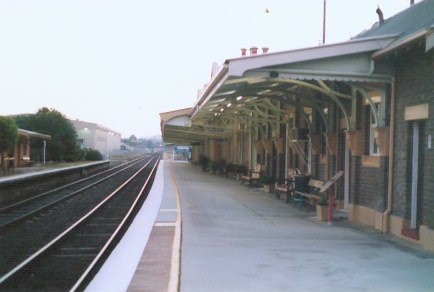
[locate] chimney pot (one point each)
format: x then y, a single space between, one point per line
264 50
253 51
243 51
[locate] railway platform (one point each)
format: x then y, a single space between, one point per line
236 238
26 173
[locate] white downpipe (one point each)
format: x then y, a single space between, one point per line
415 176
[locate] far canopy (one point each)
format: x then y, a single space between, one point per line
31 134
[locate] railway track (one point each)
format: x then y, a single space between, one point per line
76 247
24 209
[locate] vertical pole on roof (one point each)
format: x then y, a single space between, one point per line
324 23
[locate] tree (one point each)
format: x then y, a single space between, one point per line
132 141
93 155
8 136
63 142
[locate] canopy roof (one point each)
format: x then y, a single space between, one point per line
246 87
32 134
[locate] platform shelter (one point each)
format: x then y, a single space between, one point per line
364 106
21 151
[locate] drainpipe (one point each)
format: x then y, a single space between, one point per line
386 214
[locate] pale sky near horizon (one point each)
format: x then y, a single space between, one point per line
121 63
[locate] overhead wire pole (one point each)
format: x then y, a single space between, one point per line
324 23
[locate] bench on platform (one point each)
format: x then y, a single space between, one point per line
310 198
253 176
317 187
286 189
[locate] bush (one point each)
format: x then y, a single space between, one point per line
83 154
203 162
8 134
230 167
221 165
93 155
266 179
239 168
213 165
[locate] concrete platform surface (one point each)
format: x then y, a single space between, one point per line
236 238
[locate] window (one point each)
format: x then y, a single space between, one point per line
370 122
371 150
373 135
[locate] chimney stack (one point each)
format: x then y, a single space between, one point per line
243 52
253 51
380 15
411 2
264 50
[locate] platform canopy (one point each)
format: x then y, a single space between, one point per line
176 127
31 134
256 86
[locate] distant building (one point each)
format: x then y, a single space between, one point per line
126 147
94 136
20 154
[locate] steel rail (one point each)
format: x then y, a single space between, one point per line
38 253
43 207
116 232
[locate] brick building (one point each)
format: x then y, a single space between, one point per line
364 106
20 156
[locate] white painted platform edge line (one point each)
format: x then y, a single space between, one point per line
164 224
176 248
168 210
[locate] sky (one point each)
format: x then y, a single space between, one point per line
120 63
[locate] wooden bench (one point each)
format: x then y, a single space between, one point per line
253 176
308 199
317 187
286 189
